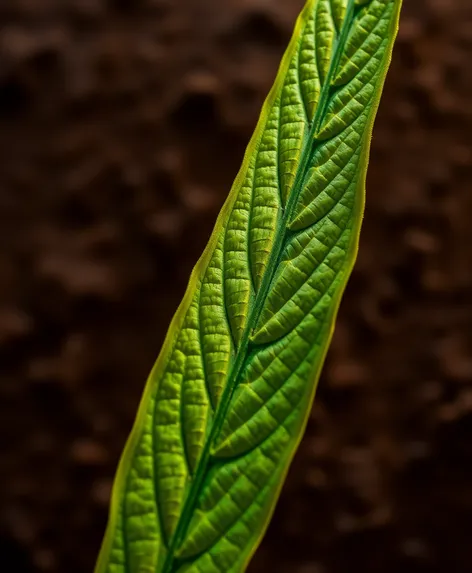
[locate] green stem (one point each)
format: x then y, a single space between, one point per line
274 260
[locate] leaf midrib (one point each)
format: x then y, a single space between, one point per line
309 146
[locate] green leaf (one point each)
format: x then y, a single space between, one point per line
228 398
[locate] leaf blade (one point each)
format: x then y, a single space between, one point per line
197 412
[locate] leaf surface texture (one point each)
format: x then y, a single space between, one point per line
228 398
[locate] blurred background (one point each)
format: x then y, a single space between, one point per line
122 126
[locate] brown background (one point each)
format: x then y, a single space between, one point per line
122 125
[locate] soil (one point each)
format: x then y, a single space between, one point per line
122 126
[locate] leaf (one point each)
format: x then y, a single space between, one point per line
228 398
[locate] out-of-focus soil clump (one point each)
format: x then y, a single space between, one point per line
122 125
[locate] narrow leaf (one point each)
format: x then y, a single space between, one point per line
228 398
